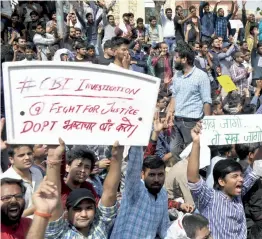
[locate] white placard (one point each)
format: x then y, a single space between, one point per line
236 24
83 104
231 129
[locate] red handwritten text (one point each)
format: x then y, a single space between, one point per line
36 127
123 111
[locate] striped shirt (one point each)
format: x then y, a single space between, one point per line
191 92
226 217
141 215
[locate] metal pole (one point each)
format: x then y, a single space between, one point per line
60 17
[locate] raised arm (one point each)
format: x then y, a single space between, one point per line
244 14
112 180
201 13
193 161
45 200
53 173
215 8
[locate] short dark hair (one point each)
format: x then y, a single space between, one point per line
184 50
191 7
259 44
90 47
88 14
12 181
79 46
219 9
14 15
34 13
108 44
193 223
109 17
223 149
118 41
168 9
195 42
139 20
243 150
78 29
177 7
151 18
222 168
204 43
206 4
80 152
11 149
153 162
248 109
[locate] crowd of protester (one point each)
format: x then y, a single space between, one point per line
158 191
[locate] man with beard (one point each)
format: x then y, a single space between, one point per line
80 163
19 54
144 206
21 158
70 38
43 41
191 98
12 207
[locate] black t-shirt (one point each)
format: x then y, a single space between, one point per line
179 29
104 61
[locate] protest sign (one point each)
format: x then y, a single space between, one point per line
83 104
231 129
236 24
226 83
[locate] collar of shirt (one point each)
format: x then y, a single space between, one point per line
188 74
15 175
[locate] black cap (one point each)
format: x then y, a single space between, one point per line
77 195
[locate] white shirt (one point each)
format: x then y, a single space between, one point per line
167 25
30 189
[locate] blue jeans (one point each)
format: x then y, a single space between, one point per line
171 43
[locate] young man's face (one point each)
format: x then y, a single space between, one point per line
40 151
54 17
78 34
245 46
232 183
221 12
162 104
206 8
154 179
109 52
72 33
169 14
23 158
247 57
193 12
179 11
22 43
79 170
111 20
90 18
216 43
121 51
82 215
39 29
240 58
196 47
140 24
204 49
153 23
14 19
91 52
219 110
34 18
12 204
164 48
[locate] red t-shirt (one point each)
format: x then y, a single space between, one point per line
16 232
65 190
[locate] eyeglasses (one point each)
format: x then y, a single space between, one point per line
8 198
